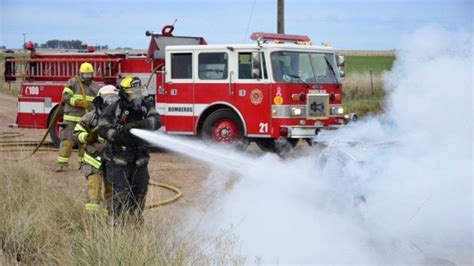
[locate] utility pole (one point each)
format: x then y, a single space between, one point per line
281 16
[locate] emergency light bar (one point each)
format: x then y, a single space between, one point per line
278 37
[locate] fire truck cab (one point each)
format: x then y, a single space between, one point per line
280 89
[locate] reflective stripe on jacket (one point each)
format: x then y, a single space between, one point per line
73 92
93 151
93 161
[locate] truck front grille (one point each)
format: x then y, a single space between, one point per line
317 106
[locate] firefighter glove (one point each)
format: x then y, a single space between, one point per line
136 124
152 123
82 103
92 136
119 134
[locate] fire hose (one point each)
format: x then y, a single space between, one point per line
153 72
174 189
55 117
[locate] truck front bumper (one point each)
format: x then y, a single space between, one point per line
299 132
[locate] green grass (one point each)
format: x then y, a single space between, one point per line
361 64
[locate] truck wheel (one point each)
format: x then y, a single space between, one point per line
276 146
225 126
267 145
54 131
293 142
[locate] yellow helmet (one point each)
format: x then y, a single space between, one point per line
86 68
130 82
131 88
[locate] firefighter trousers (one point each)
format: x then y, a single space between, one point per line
67 142
130 186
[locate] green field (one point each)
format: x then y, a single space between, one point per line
377 64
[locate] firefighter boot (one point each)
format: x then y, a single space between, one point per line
94 191
65 151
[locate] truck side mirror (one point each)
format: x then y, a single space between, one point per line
341 61
342 73
256 66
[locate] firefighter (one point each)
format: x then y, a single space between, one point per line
86 134
127 155
77 97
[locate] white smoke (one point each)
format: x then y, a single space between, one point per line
401 194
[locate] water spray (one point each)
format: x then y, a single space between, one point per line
223 157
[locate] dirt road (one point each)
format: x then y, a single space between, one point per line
165 167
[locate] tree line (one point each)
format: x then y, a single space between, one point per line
67 44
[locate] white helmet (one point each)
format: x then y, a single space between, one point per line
109 94
106 90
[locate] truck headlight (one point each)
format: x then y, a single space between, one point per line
337 110
296 111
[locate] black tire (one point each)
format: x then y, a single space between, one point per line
266 145
271 145
225 126
293 142
53 132
355 118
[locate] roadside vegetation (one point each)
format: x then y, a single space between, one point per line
40 225
12 88
363 86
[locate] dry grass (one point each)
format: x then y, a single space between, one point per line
39 225
363 81
363 94
12 88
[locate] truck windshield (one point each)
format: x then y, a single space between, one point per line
304 67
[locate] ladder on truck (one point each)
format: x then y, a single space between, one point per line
59 69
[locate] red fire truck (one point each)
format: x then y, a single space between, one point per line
277 90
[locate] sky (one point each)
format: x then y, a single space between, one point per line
350 24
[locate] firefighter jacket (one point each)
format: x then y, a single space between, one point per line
123 148
72 96
82 132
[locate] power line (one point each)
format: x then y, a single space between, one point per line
250 20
